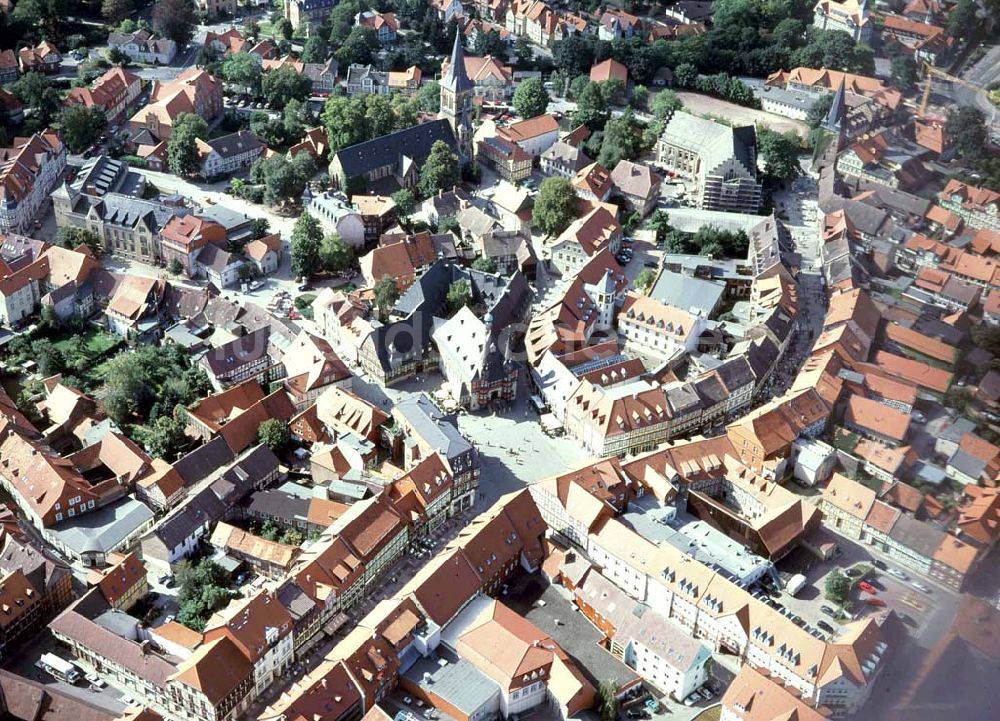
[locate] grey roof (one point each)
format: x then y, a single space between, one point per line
216 258
126 211
289 507
295 600
236 143
232 220
204 461
203 508
967 463
246 349
456 79
735 372
682 399
922 538
99 176
762 354
414 142
684 291
102 530
565 154
713 142
433 426
711 391
457 682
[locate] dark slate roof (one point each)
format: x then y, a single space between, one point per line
235 143
204 507
923 538
735 373
711 391
204 461
762 354
414 142
287 507
236 353
128 212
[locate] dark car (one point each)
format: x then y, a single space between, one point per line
852 572
825 626
828 611
651 264
879 564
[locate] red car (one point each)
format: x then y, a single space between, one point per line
875 602
867 587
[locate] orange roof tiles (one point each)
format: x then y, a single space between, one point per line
922 344
849 496
916 372
877 417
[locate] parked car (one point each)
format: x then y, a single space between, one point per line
879 564
691 700
898 574
878 602
828 611
867 587
825 626
852 572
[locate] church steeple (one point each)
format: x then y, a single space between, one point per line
456 99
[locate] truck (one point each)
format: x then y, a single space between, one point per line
795 584
58 667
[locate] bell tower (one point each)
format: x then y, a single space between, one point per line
456 101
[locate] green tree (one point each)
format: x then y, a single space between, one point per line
337 255
182 149
268 530
607 700
380 119
780 152
41 100
307 237
175 267
644 280
485 264
621 140
685 75
405 202
175 20
285 29
82 126
386 294
316 49
962 21
164 437
837 587
428 97
274 434
260 227
284 179
490 43
243 70
50 359
359 47
665 103
440 171
530 98
284 84
659 222
555 206
591 107
292 537
524 52
202 590
819 110
640 96
344 120
967 127
459 294
903 69
116 10
72 238
46 14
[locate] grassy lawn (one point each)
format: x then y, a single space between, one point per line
97 342
710 714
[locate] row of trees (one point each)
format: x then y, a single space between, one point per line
747 37
354 119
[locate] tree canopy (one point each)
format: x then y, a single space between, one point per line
440 170
175 19
82 126
530 98
182 149
307 237
967 127
555 206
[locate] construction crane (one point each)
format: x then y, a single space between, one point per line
931 72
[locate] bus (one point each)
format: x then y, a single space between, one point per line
58 667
